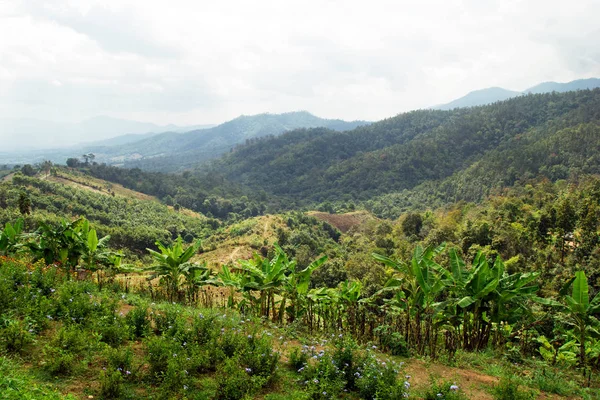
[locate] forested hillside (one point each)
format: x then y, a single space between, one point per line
414 148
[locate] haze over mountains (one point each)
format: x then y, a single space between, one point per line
491 95
173 150
34 134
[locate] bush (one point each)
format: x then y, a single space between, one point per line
58 361
234 382
159 351
379 380
138 320
298 359
111 384
15 335
508 389
392 341
119 360
205 328
444 390
112 330
259 358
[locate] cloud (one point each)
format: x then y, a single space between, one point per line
114 30
190 62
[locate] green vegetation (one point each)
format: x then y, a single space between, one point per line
489 259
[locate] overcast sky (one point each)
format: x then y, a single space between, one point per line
199 61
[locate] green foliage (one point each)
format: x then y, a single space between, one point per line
16 384
111 384
15 335
509 389
443 390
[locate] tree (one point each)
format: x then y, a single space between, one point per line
411 226
28 170
24 203
73 162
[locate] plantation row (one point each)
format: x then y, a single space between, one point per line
425 308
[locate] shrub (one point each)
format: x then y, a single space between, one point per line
298 358
119 360
259 358
234 382
112 330
392 341
443 390
379 380
138 320
58 361
509 389
15 335
159 351
205 328
111 384
323 379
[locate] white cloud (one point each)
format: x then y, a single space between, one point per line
189 62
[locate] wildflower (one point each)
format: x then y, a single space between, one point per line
249 336
453 387
301 369
185 387
174 355
128 372
316 380
324 393
406 385
248 370
439 395
52 290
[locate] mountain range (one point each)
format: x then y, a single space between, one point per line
494 94
174 150
33 134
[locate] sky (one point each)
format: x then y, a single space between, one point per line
198 62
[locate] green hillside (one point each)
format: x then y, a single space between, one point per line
412 149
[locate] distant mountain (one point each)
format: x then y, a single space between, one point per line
171 151
491 95
579 84
24 134
479 97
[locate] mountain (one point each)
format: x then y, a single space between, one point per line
33 134
494 94
579 84
554 134
171 151
479 97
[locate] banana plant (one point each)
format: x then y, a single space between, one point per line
171 264
580 310
296 286
196 277
61 245
420 283
266 277
10 237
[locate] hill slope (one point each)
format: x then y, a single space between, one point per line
410 149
